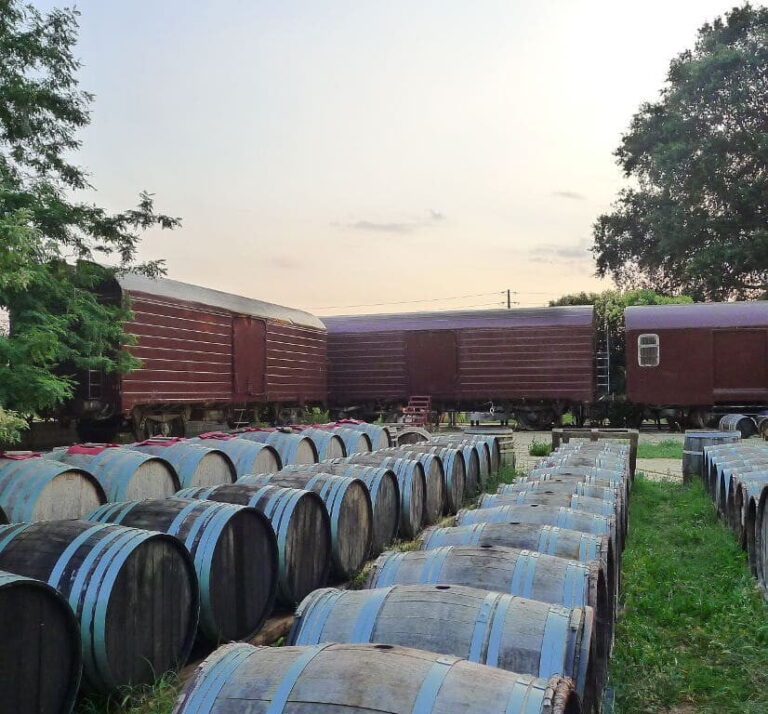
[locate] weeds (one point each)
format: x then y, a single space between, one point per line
667 449
694 633
539 448
157 698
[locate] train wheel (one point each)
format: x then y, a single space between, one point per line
699 418
536 419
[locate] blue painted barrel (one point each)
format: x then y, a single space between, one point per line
195 464
235 556
328 444
355 441
293 448
361 679
40 658
125 475
249 457
134 593
300 521
37 489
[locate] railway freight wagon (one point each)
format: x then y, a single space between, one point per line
693 362
535 364
205 355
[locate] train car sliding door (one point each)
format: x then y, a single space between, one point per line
249 358
432 363
740 366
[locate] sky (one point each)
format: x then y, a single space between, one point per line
354 156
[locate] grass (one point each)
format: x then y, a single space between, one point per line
157 698
540 448
667 449
693 636
506 474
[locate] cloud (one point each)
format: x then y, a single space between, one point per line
395 226
554 253
572 195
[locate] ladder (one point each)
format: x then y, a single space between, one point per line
418 410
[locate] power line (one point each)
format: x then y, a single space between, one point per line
408 302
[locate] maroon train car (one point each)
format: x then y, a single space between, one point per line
535 363
694 361
206 355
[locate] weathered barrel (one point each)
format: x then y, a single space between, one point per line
477 465
249 457
525 573
377 434
124 475
195 464
549 498
490 628
591 476
293 448
349 507
234 551
551 540
434 475
35 489
693 450
494 447
40 658
134 593
760 528
746 503
355 441
455 471
740 423
411 482
328 444
363 679
302 527
546 516
384 492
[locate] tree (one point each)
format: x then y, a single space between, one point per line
697 219
609 321
50 242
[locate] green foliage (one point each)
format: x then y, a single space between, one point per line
609 320
506 474
696 220
314 415
157 698
50 240
694 632
667 449
11 424
539 448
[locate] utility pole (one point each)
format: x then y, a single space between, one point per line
509 299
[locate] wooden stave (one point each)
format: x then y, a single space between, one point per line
434 475
187 459
455 471
203 527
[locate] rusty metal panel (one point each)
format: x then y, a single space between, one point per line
740 373
249 358
186 353
367 366
296 368
527 363
432 363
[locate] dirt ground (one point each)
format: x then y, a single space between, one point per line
654 469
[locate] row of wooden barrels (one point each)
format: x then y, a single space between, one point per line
510 609
69 482
735 474
147 578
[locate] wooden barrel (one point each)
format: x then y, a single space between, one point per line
124 475
476 465
529 637
35 489
355 441
455 471
328 444
40 659
134 593
525 573
249 457
362 679
302 527
726 475
551 540
593 477
693 450
234 551
546 516
549 498
740 423
494 447
412 484
757 510
349 507
747 494
195 464
384 492
293 448
377 434
434 474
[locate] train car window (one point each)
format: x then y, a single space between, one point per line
648 350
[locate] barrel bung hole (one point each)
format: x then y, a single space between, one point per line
383 647
486 545
533 505
442 587
514 523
